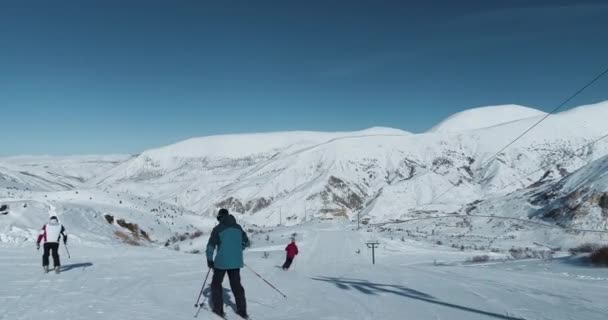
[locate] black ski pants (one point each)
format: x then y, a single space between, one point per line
287 263
53 248
217 298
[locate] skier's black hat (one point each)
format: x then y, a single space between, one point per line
221 214
54 218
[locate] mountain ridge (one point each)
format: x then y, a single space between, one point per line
378 175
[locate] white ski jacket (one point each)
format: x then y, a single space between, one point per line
51 233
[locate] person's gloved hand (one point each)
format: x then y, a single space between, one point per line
37 246
210 264
65 242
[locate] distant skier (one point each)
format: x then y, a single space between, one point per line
292 252
51 234
230 240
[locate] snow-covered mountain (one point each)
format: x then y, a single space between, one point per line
297 175
380 174
484 117
579 200
562 213
54 173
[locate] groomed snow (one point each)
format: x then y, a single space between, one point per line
329 280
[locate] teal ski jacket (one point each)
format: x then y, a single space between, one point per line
230 240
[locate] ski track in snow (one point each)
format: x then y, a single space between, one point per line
328 280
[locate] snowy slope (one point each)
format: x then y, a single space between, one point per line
558 214
291 177
54 173
92 218
579 200
78 167
393 180
478 118
10 179
379 174
328 280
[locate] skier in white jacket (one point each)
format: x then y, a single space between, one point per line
50 236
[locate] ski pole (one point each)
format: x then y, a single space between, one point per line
202 288
68 251
268 283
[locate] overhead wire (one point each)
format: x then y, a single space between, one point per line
561 105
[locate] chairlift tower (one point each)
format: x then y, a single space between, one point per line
373 245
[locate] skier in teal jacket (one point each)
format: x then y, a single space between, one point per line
229 240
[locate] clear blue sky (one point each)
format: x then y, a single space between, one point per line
123 76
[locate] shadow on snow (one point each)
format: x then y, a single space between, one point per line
69 267
226 295
370 288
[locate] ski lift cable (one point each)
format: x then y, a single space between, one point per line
574 154
452 216
561 105
548 115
